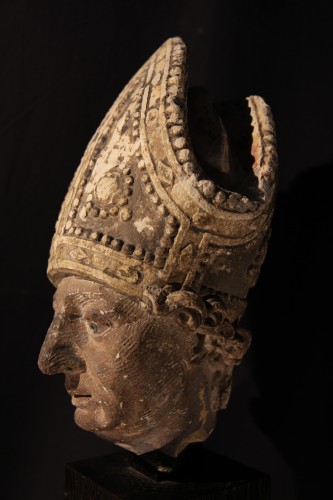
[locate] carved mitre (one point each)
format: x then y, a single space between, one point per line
144 216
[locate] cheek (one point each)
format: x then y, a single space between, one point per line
152 375
143 367
114 360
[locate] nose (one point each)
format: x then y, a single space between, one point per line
57 354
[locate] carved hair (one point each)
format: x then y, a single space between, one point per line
209 316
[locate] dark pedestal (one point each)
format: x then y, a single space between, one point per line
201 475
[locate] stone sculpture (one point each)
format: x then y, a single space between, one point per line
161 235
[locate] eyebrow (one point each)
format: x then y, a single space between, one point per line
82 298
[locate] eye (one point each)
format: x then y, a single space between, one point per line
93 327
97 325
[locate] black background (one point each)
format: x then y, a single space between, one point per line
62 65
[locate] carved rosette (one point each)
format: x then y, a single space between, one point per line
142 213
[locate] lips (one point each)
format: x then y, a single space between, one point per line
93 412
81 400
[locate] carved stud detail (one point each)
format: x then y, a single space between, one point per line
207 188
105 240
219 199
116 244
128 249
125 214
139 253
114 210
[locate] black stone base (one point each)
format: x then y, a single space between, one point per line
202 475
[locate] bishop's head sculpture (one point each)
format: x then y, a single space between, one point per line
161 235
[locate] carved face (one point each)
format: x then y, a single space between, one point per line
132 377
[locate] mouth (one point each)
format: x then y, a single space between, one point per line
81 400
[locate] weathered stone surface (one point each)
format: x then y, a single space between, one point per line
161 235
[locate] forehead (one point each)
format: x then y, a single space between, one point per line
76 290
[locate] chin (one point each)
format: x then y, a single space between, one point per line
96 419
